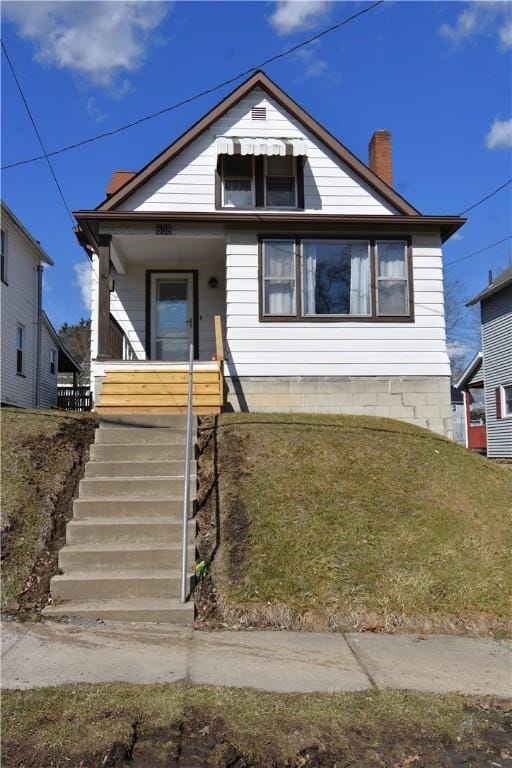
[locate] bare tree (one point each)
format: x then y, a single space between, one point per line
462 326
77 340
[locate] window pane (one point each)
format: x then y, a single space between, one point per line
19 337
336 278
391 258
19 361
279 297
507 392
280 258
280 166
392 297
280 192
238 165
238 192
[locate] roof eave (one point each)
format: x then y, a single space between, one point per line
473 365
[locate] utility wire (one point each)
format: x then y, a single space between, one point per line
45 156
196 96
475 253
487 197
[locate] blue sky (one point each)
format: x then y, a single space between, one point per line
438 75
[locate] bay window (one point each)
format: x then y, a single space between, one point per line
335 279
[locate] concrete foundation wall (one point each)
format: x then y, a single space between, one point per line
424 401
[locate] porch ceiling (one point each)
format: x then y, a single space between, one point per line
146 249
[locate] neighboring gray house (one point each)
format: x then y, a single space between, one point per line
496 317
31 353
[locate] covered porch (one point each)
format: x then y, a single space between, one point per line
157 291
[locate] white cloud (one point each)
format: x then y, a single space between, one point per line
82 281
500 135
292 15
314 64
478 18
95 39
456 236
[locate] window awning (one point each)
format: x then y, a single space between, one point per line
237 145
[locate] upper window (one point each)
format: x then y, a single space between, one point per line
280 184
53 361
315 279
3 275
249 181
20 349
238 181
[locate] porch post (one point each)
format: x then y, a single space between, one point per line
104 351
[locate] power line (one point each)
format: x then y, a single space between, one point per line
475 253
487 197
190 99
45 156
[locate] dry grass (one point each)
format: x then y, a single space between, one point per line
343 522
57 726
40 452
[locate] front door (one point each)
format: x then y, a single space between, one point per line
172 303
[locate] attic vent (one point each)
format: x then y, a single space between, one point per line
259 113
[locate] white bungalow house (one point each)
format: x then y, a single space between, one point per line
31 353
327 282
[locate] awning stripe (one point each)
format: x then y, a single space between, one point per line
238 145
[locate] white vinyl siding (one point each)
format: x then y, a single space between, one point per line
48 381
18 306
187 183
334 349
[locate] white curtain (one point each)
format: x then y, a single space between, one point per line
360 279
391 260
309 278
280 277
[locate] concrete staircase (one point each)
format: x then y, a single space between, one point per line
122 558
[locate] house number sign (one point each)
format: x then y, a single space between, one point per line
163 229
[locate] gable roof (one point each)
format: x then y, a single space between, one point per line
502 281
32 242
470 374
259 80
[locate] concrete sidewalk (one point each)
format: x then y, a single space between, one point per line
49 653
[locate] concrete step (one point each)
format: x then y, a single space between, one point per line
137 468
156 610
140 452
133 487
83 557
170 509
103 585
139 435
135 530
155 420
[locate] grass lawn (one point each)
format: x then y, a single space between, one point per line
94 725
41 456
347 521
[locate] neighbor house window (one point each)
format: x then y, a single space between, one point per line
238 181
280 184
279 282
315 279
507 400
392 292
3 275
53 361
20 349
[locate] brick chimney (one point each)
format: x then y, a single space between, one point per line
117 180
379 151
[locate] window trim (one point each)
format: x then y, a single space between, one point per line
53 361
20 326
224 178
371 318
504 414
4 249
295 185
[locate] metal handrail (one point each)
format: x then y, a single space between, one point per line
186 488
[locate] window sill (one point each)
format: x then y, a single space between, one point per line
4 282
22 375
334 319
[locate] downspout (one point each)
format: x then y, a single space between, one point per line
39 332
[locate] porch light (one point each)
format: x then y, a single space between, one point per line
213 282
